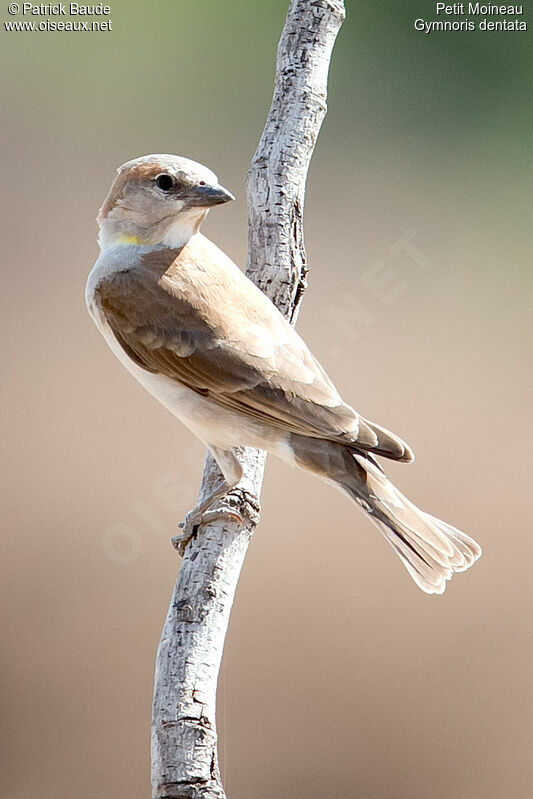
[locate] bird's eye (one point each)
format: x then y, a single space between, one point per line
164 182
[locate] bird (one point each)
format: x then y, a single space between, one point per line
215 351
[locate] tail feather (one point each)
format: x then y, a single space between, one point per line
468 550
430 580
430 549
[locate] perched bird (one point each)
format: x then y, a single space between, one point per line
213 349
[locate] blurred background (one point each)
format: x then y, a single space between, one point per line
340 677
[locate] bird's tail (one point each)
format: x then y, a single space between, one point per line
430 549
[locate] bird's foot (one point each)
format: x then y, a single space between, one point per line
190 528
239 504
193 521
234 507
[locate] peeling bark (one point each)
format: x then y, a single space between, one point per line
184 738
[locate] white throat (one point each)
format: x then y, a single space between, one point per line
184 228
174 236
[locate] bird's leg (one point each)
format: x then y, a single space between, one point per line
204 511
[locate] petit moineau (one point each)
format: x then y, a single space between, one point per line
479 9
213 349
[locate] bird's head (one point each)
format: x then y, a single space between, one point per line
158 200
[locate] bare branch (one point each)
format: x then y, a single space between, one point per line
184 739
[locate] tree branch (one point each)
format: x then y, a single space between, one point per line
184 739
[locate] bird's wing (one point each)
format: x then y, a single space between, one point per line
204 324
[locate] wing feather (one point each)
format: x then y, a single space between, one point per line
198 320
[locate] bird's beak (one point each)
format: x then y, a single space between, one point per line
208 195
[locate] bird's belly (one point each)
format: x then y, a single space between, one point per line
207 420
211 423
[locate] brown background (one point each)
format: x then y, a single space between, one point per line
340 678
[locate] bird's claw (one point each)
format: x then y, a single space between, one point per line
179 542
190 528
191 524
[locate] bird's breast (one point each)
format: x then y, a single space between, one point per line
211 423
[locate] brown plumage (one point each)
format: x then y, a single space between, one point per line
170 314
213 349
